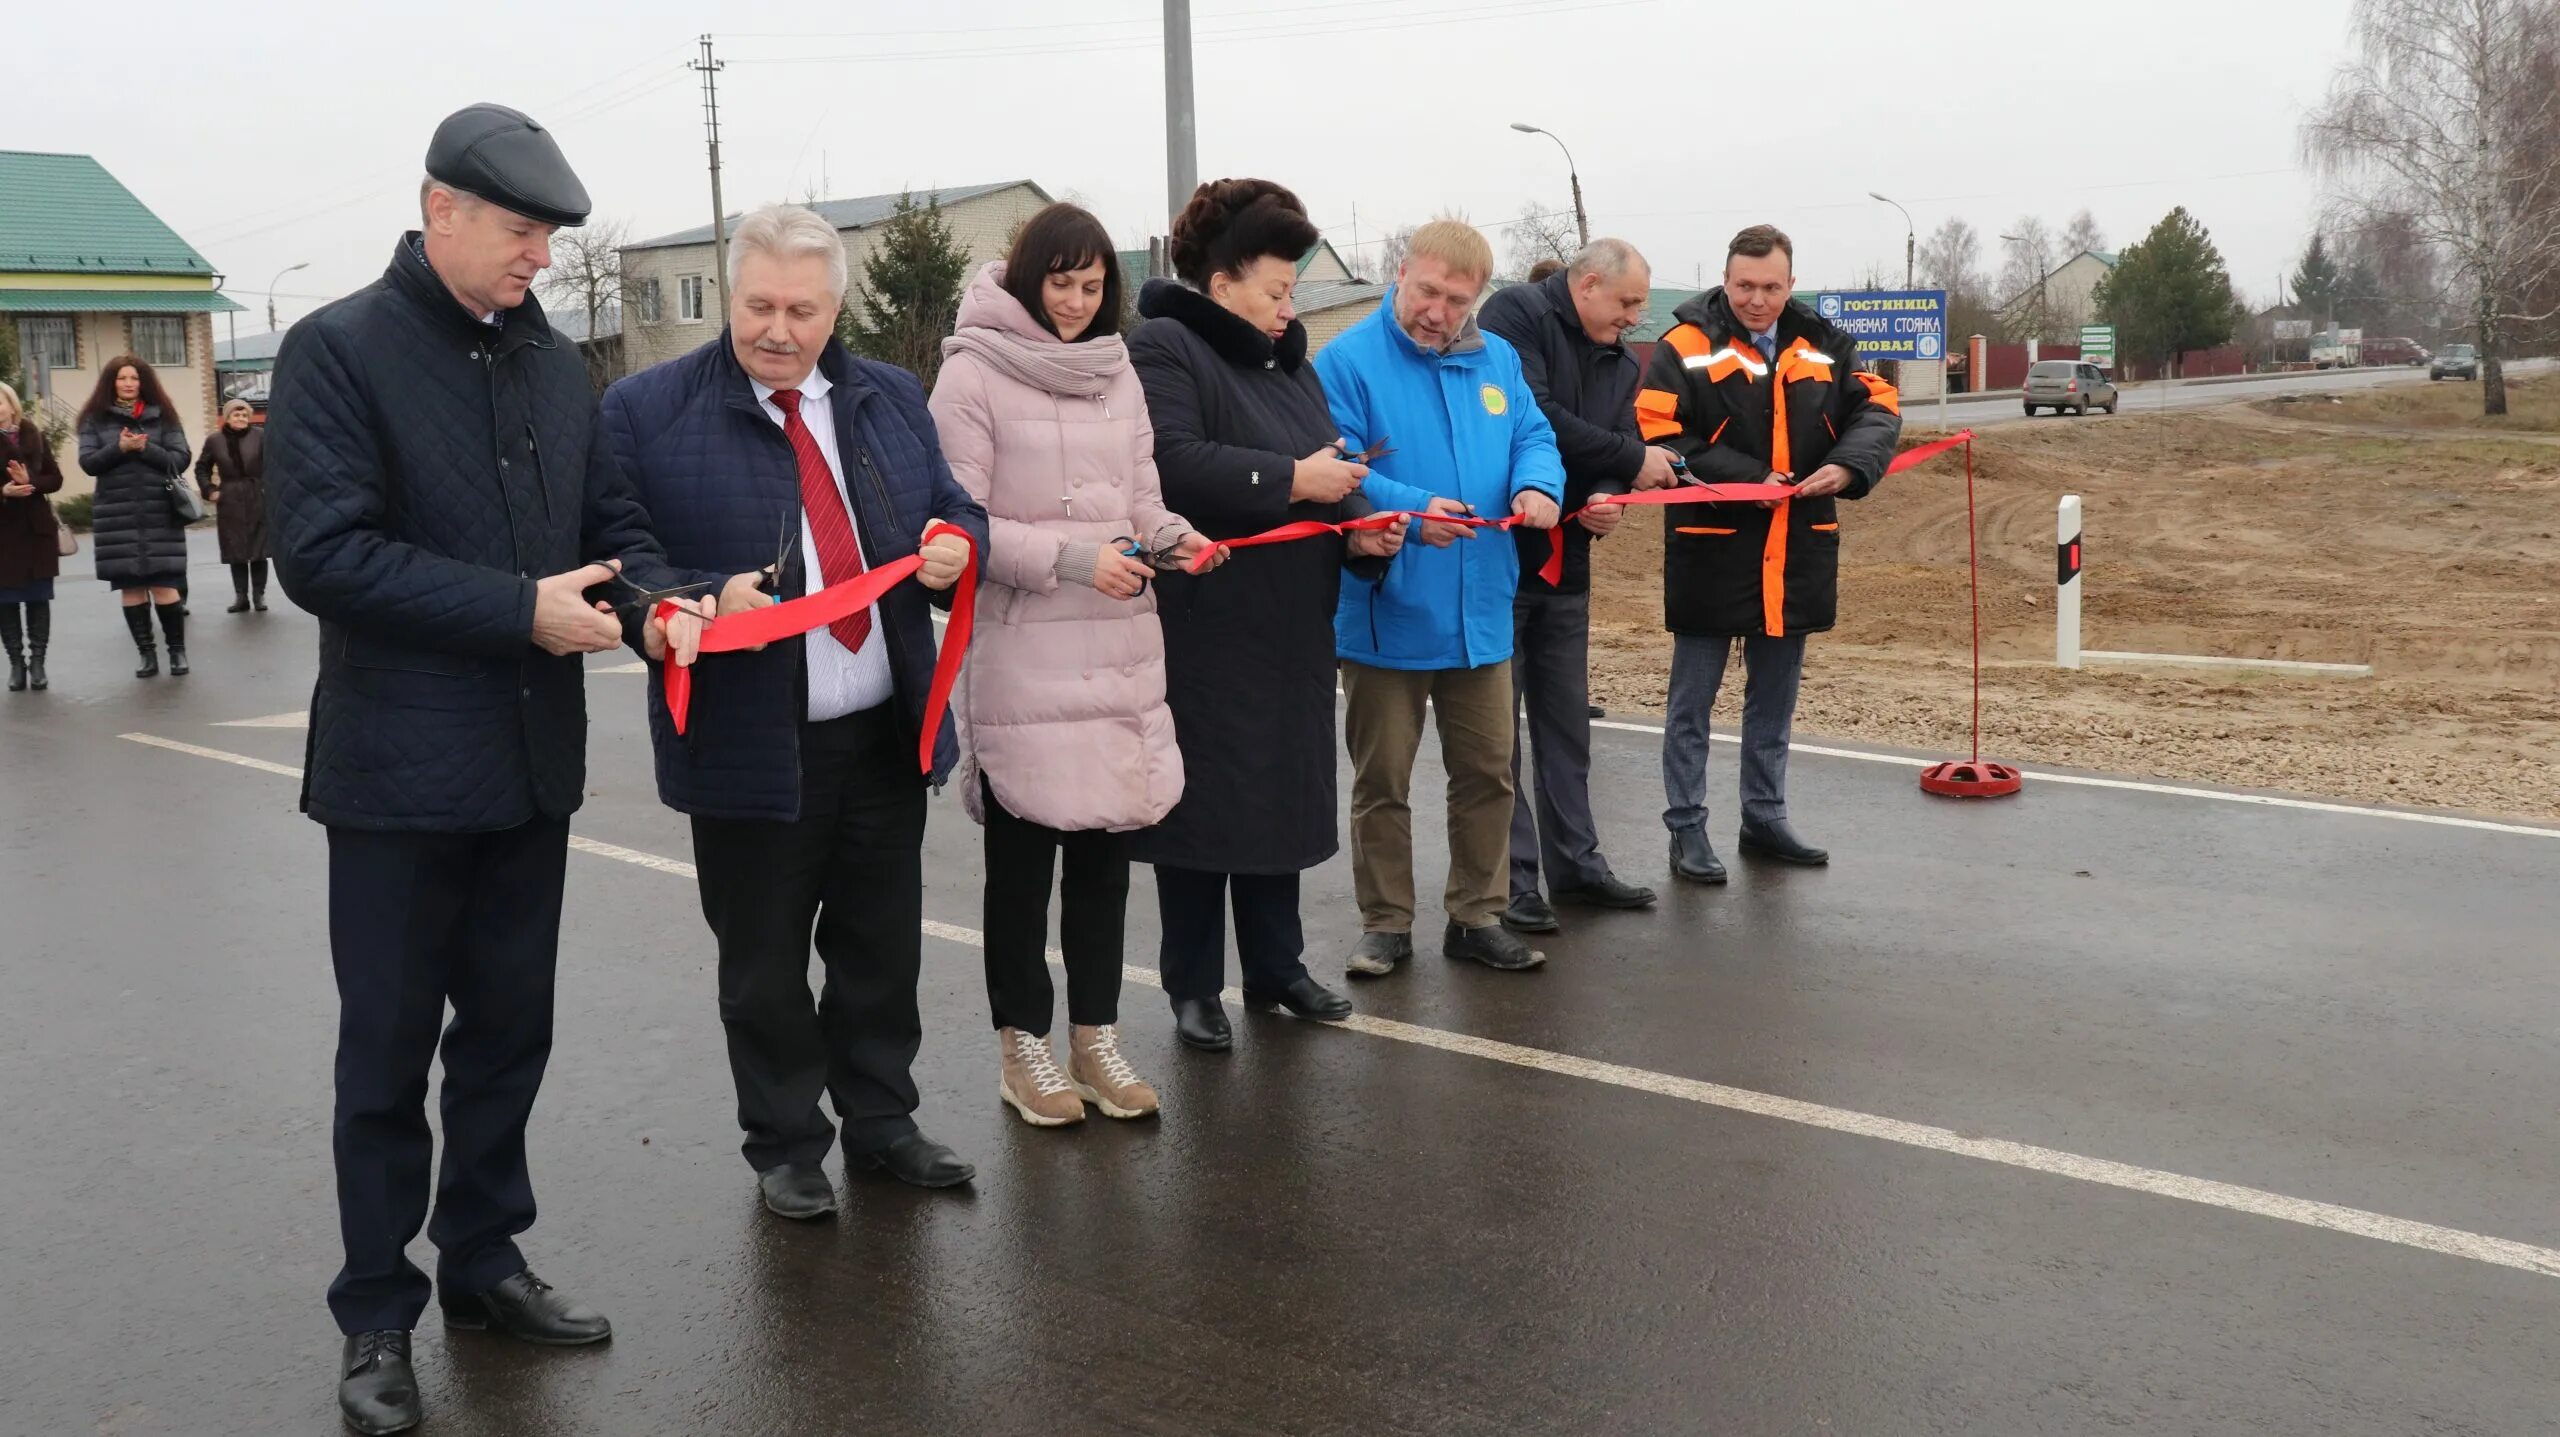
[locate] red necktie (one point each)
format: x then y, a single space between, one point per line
839 552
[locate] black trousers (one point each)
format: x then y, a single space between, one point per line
1093 919
417 921
1193 906
243 575
851 869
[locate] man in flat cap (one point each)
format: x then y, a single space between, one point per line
442 500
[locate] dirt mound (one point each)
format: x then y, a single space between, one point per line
2231 532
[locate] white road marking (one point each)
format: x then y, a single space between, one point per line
2256 1202
2208 661
636 666
296 719
2263 800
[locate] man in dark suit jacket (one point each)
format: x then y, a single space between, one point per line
1570 328
440 497
798 763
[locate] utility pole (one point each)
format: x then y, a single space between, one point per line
1581 219
1181 121
711 69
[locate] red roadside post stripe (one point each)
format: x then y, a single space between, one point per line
792 617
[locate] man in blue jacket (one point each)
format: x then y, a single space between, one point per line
1461 436
798 764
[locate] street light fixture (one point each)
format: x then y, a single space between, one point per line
1581 221
271 293
1910 244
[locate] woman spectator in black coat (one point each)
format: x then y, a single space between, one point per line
228 474
1244 443
28 558
132 444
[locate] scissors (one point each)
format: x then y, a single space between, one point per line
771 583
647 599
1379 450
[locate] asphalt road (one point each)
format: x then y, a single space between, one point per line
2097 1109
1981 412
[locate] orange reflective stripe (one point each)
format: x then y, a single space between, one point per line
1692 529
1780 457
1657 413
1773 573
1687 340
1823 528
1720 424
1882 395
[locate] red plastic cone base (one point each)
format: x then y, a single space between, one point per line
1971 778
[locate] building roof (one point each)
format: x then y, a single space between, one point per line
861 212
1133 263
1333 294
568 319
250 351
66 214
115 301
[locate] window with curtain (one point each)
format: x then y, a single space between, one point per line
50 340
644 301
689 298
160 340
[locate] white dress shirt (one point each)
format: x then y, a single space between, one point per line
841 680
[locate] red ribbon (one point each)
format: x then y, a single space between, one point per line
1553 570
757 627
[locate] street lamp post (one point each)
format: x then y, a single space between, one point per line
271 294
1910 243
1581 221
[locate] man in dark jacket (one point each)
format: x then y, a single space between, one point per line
1750 388
798 763
440 498
1570 329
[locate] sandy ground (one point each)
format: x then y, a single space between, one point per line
2392 529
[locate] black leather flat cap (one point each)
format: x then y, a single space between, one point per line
506 158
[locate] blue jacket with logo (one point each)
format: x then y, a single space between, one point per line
1462 424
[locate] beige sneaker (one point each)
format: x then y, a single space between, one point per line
1102 1074
1031 1082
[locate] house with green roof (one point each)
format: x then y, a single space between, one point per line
88 273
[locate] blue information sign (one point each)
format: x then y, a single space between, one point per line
1890 323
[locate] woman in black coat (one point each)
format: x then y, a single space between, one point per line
1244 443
28 558
227 474
132 444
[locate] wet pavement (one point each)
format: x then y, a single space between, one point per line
1451 1221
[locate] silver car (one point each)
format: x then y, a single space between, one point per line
2060 384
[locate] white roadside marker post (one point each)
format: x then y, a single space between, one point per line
2066 584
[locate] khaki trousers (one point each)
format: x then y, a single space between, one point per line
1382 726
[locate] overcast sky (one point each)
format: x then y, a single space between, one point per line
293 131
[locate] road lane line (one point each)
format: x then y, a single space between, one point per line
2263 800
2206 1192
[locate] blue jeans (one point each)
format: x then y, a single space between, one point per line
1772 669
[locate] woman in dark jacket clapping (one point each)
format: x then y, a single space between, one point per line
28 558
227 474
1249 654
132 444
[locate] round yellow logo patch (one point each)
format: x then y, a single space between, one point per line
1496 402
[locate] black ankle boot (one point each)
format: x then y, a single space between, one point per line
173 627
17 671
36 678
137 621
13 639
39 635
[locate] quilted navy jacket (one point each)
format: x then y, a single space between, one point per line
719 478
423 469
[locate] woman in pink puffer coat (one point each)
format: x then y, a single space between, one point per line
1065 738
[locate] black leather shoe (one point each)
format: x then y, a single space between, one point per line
150 663
1529 913
259 603
239 605
1305 997
1610 892
528 1309
797 1190
377 1392
1202 1023
1492 947
1776 840
917 1161
178 663
1597 711
1378 954
1693 858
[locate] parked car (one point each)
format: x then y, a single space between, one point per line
2458 361
2060 384
2395 351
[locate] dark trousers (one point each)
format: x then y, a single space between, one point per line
1193 905
416 921
243 576
851 868
1551 818
1093 917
